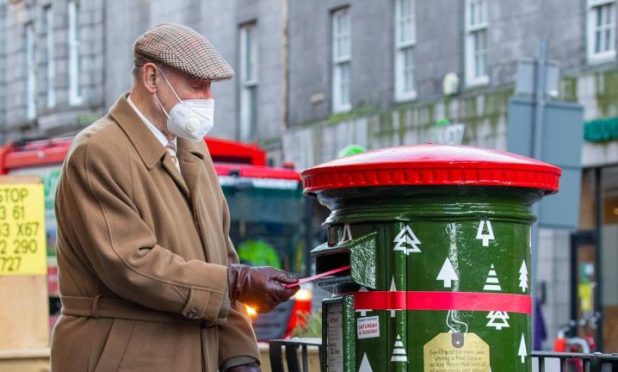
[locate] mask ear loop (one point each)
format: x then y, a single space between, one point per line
169 85
157 94
161 105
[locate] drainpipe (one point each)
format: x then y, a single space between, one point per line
286 71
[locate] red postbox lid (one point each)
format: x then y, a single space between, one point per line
423 165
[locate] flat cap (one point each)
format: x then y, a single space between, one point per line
184 49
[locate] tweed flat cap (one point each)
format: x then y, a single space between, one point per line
184 49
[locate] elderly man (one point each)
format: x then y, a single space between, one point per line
148 275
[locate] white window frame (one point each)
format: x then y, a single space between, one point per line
75 96
248 81
30 71
475 24
403 44
593 7
342 59
51 66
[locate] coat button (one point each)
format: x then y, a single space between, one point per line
192 314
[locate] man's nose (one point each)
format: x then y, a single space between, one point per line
206 92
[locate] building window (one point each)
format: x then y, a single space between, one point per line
248 81
31 72
342 59
48 25
405 39
601 31
476 42
75 96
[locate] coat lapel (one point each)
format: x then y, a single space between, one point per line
191 157
170 168
147 145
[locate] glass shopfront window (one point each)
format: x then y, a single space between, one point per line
609 256
595 258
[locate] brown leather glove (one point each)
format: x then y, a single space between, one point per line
259 287
251 367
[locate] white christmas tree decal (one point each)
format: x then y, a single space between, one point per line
492 283
522 352
363 312
393 288
498 319
485 232
405 239
347 234
365 366
399 352
523 277
447 273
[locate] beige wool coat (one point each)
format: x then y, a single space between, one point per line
142 253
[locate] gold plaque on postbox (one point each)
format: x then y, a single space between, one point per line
461 352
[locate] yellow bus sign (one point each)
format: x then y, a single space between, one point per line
22 230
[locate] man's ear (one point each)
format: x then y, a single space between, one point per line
149 75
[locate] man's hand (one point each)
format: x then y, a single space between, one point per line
251 367
259 287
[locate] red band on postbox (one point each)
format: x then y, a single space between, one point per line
442 301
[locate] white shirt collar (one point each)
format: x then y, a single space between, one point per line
155 131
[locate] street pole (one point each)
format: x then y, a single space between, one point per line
537 140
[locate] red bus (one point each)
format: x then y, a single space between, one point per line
269 216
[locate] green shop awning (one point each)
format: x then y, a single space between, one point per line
601 130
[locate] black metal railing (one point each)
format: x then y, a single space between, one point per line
574 362
291 350
297 358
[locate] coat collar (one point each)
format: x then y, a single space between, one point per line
146 144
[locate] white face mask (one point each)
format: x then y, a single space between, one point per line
191 118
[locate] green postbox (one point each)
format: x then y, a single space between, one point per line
438 240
